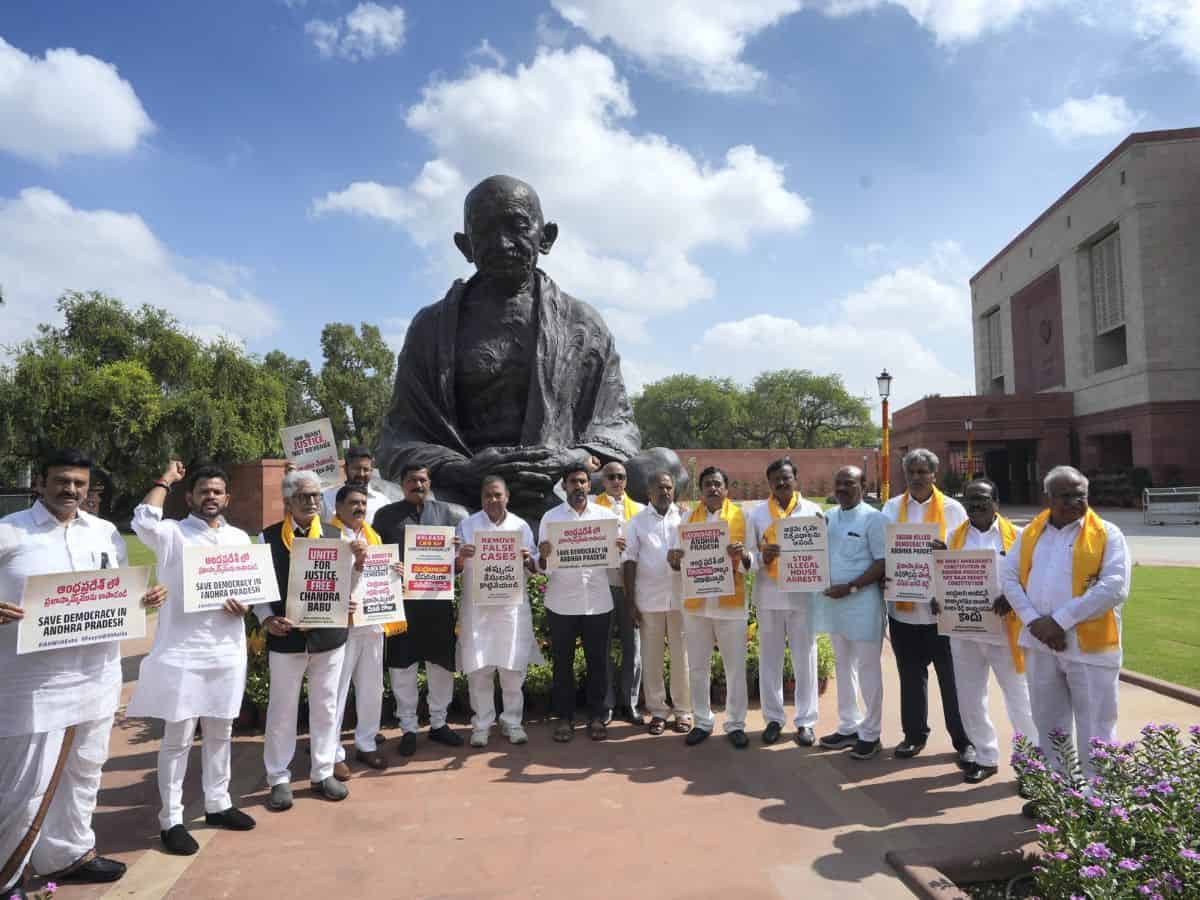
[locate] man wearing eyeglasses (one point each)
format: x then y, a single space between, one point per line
621 698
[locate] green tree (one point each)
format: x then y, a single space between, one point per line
688 411
797 408
299 383
355 384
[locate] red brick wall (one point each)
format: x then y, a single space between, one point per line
814 468
1166 438
255 499
1037 335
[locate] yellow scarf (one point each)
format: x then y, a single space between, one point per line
731 514
937 516
772 568
1095 635
289 530
1012 624
369 533
630 507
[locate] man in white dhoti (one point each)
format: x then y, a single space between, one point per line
57 706
654 591
784 618
977 654
1066 577
495 640
358 465
363 663
196 670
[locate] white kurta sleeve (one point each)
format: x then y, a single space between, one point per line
1010 583
152 529
1110 589
530 544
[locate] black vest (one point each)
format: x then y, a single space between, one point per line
316 640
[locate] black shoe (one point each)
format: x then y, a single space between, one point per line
445 736
966 758
771 733
739 740
632 716
179 841
695 736
866 749
907 749
838 741
408 743
805 737
97 870
232 819
975 773
1031 810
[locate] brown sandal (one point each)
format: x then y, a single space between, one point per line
683 726
597 730
658 725
564 731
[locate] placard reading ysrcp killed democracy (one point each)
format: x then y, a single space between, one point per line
803 553
382 601
909 562
707 568
428 562
72 609
966 586
497 569
312 447
213 574
319 583
589 544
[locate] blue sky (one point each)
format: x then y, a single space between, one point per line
739 186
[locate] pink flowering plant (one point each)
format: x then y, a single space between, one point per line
1131 829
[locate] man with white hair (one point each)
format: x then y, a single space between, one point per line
1066 578
912 626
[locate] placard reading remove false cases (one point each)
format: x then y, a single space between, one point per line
313 448
498 569
588 544
381 601
966 585
212 574
319 583
428 562
74 609
707 568
909 562
803 553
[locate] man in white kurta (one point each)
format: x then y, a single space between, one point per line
57 706
784 618
495 640
358 465
195 672
976 655
654 589
1067 577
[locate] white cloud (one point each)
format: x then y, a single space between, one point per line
487 52
633 206
933 292
950 21
367 31
394 330
702 40
66 104
47 247
1101 115
1174 22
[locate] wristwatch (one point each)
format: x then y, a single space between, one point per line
854 588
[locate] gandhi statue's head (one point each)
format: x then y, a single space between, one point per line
504 229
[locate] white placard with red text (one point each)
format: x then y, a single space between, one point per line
428 562
75 609
319 583
586 544
707 568
498 569
909 562
212 574
382 599
313 448
803 553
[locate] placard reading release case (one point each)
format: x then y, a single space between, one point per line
213 574
319 583
966 586
707 568
909 562
803 553
428 562
382 600
587 544
313 448
74 609
498 569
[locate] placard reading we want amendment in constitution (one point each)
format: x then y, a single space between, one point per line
73 609
212 574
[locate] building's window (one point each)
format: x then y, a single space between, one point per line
992 339
1108 302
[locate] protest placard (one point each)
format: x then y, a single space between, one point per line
966 585
803 553
909 562
319 583
212 574
428 562
497 569
74 609
381 601
589 544
312 447
707 568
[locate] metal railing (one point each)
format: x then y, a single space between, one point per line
1180 505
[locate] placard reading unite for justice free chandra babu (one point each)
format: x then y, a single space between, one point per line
319 583
73 609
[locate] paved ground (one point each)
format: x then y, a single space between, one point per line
633 816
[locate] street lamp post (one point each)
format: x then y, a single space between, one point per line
969 427
884 381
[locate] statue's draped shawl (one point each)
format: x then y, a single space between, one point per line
576 394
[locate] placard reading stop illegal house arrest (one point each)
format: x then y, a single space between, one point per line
966 586
312 448
319 583
428 562
587 544
212 574
803 553
909 562
73 609
707 568
381 600
497 569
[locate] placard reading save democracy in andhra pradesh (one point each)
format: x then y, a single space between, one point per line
73 609
382 601
909 562
319 583
966 585
212 574
707 568
498 569
428 562
587 544
313 448
803 553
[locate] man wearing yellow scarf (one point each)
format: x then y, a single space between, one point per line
912 626
1066 577
363 663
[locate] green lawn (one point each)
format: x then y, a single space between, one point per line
1161 624
139 553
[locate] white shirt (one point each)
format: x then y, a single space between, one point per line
648 538
375 502
615 576
1050 589
767 594
494 635
577 592
55 688
992 540
954 514
349 535
712 608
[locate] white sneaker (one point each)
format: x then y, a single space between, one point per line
517 736
479 738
